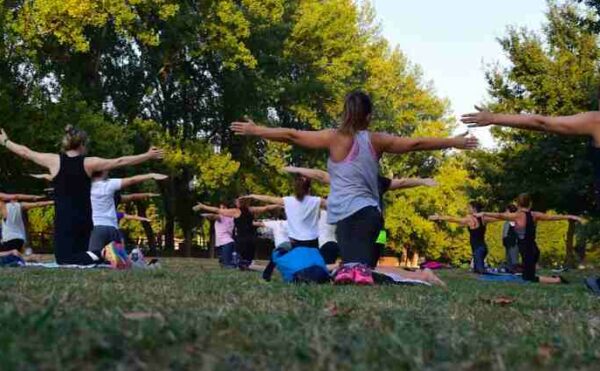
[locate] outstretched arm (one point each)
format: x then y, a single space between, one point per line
211 216
93 164
554 218
136 218
386 143
256 210
128 182
315 174
449 219
405 183
138 196
259 224
46 177
232 213
266 199
309 139
34 205
511 217
48 160
19 197
580 124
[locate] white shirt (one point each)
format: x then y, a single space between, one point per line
280 231
326 230
104 211
302 217
12 226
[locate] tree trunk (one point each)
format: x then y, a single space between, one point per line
184 212
415 260
570 259
169 205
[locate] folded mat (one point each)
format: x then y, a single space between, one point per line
53 265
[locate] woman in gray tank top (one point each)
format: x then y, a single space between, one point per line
353 167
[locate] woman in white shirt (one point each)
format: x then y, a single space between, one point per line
302 212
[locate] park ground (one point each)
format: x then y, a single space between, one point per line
191 314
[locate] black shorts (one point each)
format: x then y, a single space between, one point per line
16 244
330 252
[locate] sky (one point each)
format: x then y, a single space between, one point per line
454 40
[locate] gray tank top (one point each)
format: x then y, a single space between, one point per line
354 180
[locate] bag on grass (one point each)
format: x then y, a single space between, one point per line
301 264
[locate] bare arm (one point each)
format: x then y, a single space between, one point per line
309 139
256 210
405 183
232 213
138 196
555 218
211 216
394 144
46 177
136 218
315 174
19 197
580 124
488 219
449 219
266 199
48 160
34 205
511 217
93 164
258 224
128 182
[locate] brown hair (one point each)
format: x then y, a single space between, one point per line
301 187
74 138
524 200
357 108
475 205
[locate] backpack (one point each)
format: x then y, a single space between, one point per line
301 265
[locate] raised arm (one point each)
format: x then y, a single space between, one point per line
136 218
309 139
314 174
19 197
94 164
46 177
138 196
50 161
34 205
386 143
581 124
511 217
555 218
449 219
128 182
405 183
256 210
232 213
266 199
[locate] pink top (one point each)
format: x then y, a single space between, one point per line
223 231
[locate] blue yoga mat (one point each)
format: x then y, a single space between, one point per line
502 278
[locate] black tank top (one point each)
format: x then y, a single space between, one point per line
594 156
530 228
72 188
244 227
478 234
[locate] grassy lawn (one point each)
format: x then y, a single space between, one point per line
192 315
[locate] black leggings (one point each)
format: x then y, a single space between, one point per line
71 242
16 244
246 248
357 234
530 254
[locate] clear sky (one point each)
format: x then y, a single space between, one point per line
452 41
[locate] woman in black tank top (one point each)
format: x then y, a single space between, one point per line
583 124
526 228
245 231
70 172
477 227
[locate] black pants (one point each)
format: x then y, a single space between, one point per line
71 240
479 253
357 234
246 248
16 244
309 243
82 258
377 252
530 255
330 252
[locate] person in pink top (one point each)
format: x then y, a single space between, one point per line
224 242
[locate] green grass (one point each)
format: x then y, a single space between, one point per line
193 315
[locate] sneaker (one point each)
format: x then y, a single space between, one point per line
344 275
137 259
116 255
363 275
28 251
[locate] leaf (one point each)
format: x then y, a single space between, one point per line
502 300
